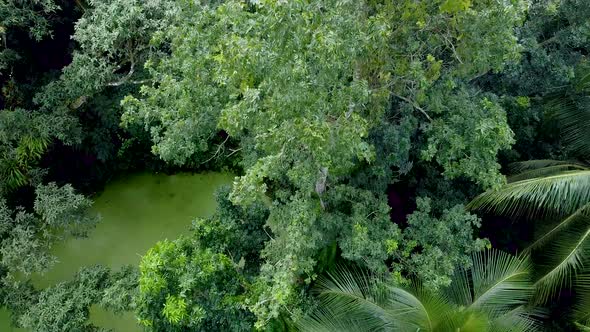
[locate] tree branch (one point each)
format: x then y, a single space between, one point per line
80 5
217 151
126 77
478 75
416 106
548 41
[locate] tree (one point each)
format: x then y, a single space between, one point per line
113 44
554 42
491 296
199 282
24 137
312 100
445 243
65 306
554 190
185 288
25 238
27 15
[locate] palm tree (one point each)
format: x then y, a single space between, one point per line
555 193
490 296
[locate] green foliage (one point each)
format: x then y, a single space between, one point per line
445 243
221 255
538 195
571 106
172 284
392 143
62 209
65 306
557 190
175 310
120 293
236 231
561 245
473 128
27 15
323 104
332 90
25 238
243 74
24 138
21 248
113 43
487 297
555 38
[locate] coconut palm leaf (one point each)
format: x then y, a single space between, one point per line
582 78
573 115
571 107
558 194
583 327
523 166
465 320
517 320
545 171
562 258
324 320
496 284
582 215
416 308
353 301
581 313
520 319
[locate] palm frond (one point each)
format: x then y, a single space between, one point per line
573 115
563 258
585 327
460 291
501 282
416 308
350 300
521 319
324 320
582 215
545 171
465 320
557 194
571 107
528 165
582 76
356 301
581 312
491 295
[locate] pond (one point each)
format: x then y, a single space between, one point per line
136 211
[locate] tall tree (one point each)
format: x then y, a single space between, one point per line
556 193
312 91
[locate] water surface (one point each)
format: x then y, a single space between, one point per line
136 211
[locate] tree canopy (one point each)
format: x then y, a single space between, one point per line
358 132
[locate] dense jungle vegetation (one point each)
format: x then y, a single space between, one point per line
407 165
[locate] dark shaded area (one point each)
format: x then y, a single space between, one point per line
39 61
401 198
505 233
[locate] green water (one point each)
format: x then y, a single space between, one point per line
136 212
